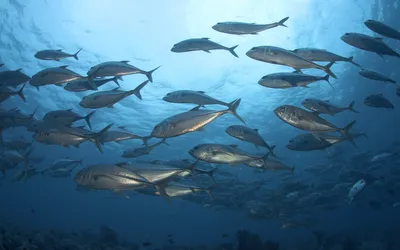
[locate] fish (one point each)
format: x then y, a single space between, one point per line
241 28
57 76
369 43
308 142
222 154
13 157
159 173
382 29
194 97
17 144
186 164
118 136
176 189
201 44
280 56
62 172
322 55
84 85
55 55
6 93
109 177
269 164
13 78
356 189
103 99
192 120
66 117
375 76
325 107
42 126
117 68
310 121
68 136
285 80
25 174
249 135
62 164
378 101
136 152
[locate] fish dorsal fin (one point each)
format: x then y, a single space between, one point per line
124 61
381 94
201 92
233 145
18 70
115 88
63 67
256 129
195 108
379 38
252 23
58 49
69 110
326 100
205 38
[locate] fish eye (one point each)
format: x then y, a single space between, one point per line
282 109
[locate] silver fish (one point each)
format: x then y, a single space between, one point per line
190 96
136 152
109 177
176 189
66 117
356 189
115 68
62 164
118 136
375 76
382 29
269 164
308 142
368 43
190 121
325 107
84 85
6 93
55 55
240 28
285 80
103 99
310 121
249 135
378 101
17 144
280 56
322 55
13 78
57 76
42 126
25 174
68 136
156 173
223 154
201 44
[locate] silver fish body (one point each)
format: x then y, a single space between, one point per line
285 80
84 85
375 76
190 96
356 189
66 117
241 28
55 55
322 55
308 142
378 101
13 78
325 107
200 44
382 29
57 76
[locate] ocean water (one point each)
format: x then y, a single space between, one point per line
143 33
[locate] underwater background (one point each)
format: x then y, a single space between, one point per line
143 32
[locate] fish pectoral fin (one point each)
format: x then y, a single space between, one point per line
202 129
206 51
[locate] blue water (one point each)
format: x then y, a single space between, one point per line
143 32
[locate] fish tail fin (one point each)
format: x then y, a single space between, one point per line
232 50
350 60
164 141
21 94
327 69
351 105
76 54
282 22
271 150
80 162
145 139
163 192
136 91
92 83
232 107
87 118
345 132
115 79
96 137
33 114
265 157
149 74
326 78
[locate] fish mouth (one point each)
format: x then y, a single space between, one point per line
191 152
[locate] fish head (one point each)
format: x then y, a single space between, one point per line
92 70
37 55
161 129
82 178
370 23
360 184
178 47
85 102
348 38
370 100
218 27
235 131
201 151
263 52
284 112
308 103
172 97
